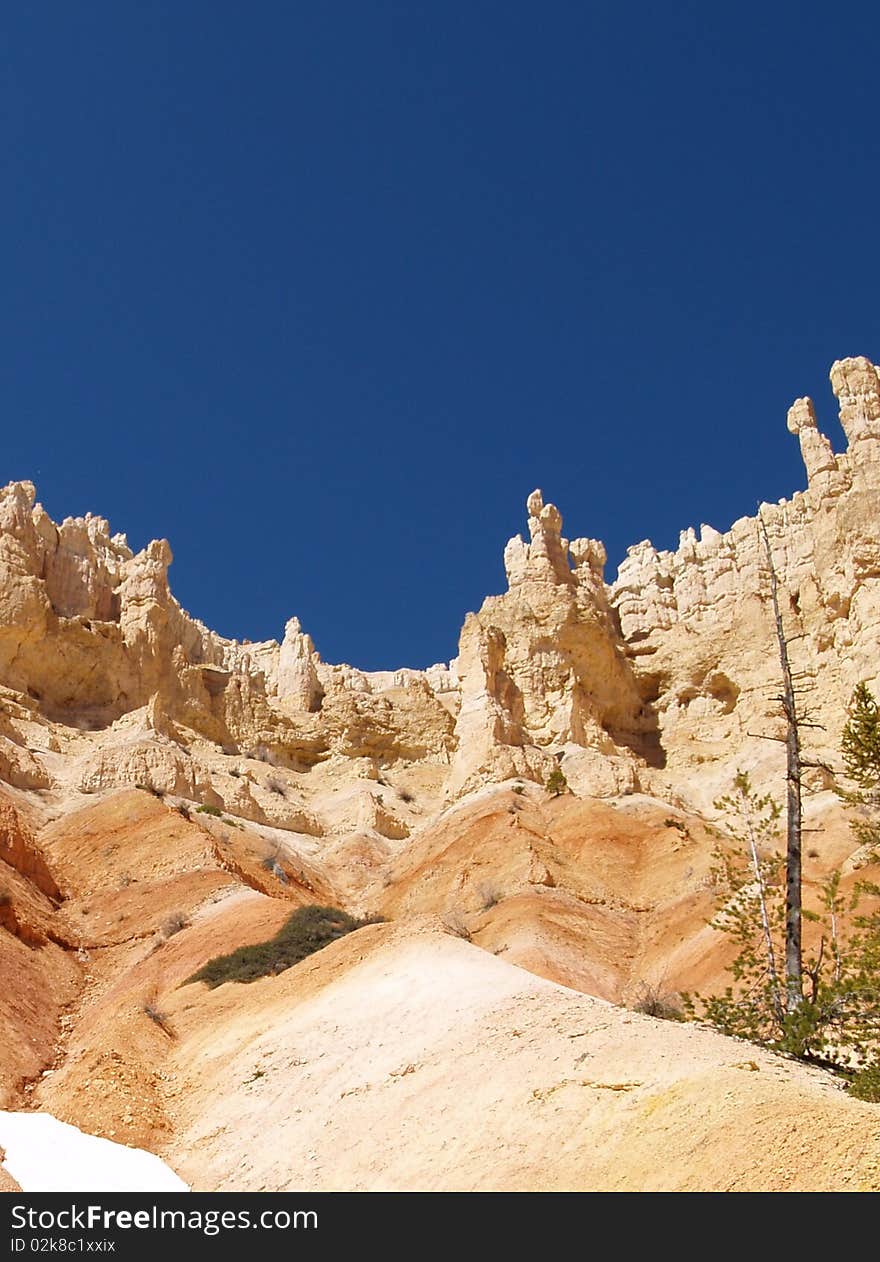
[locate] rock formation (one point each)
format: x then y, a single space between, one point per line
170 795
697 622
663 673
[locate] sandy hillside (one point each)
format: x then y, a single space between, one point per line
596 896
605 896
402 1059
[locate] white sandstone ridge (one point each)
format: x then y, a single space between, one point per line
664 673
45 1155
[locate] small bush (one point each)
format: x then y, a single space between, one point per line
233 823
456 924
272 865
865 1084
184 810
149 788
234 771
489 894
274 785
174 923
519 788
158 1018
653 1001
214 811
406 796
678 824
556 782
306 931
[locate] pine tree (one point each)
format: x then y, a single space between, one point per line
860 747
860 744
837 1022
751 912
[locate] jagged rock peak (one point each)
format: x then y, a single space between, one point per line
298 668
816 450
548 557
856 383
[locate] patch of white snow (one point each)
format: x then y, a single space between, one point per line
45 1155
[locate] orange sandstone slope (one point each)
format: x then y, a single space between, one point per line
403 1057
147 897
38 975
607 896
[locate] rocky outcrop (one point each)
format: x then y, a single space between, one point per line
667 670
542 666
19 849
90 632
157 764
297 678
86 627
697 622
856 382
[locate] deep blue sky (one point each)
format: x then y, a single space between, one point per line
320 292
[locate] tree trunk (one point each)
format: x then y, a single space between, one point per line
794 980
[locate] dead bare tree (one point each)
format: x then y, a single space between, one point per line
794 970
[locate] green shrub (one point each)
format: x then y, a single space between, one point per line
209 810
306 931
865 1084
556 782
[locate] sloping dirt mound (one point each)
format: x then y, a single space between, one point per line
609 897
115 1078
150 897
575 889
129 836
406 1058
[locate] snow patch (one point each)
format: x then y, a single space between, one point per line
45 1155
